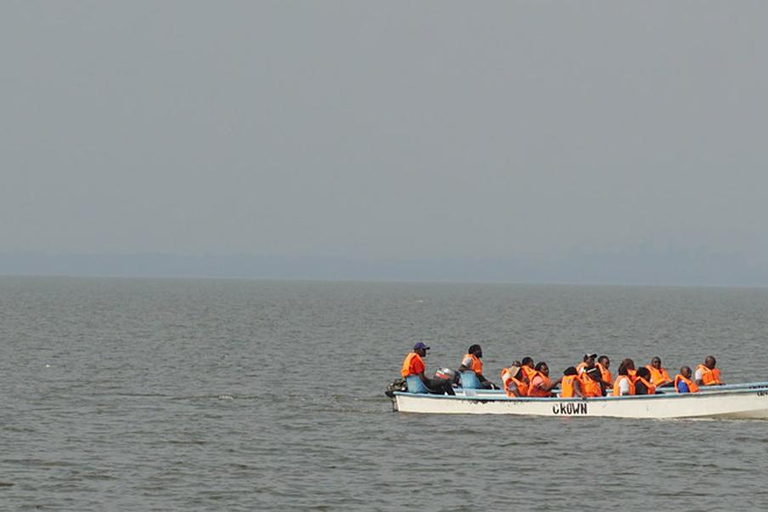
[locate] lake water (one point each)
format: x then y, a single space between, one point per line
187 395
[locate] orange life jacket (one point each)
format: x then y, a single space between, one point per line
709 377
537 391
590 388
508 380
567 386
477 364
522 386
580 367
413 365
692 386
658 377
616 384
530 373
605 373
650 387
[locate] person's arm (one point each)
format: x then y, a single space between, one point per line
552 385
466 365
577 391
697 377
418 367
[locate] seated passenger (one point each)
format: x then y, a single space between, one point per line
570 385
541 385
413 368
514 381
630 365
624 385
592 383
472 363
587 361
603 363
659 376
707 374
528 369
643 384
683 382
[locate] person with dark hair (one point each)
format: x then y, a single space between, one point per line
413 372
528 369
683 382
707 374
587 361
630 365
624 385
592 382
659 376
541 384
471 363
643 384
570 385
604 364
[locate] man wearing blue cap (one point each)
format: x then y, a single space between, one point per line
414 367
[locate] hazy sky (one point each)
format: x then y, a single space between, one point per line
414 130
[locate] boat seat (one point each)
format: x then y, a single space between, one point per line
415 385
469 380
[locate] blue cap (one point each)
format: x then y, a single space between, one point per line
420 345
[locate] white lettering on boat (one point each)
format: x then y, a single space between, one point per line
570 408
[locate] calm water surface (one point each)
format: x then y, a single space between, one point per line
244 395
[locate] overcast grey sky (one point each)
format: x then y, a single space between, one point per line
384 130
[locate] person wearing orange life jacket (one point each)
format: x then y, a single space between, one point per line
570 384
541 384
624 384
604 364
471 363
414 367
514 381
592 383
528 368
659 376
587 361
706 374
643 384
683 382
630 365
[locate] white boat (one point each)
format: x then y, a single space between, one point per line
739 403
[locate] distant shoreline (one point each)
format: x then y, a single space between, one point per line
591 270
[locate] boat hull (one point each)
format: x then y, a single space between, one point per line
727 404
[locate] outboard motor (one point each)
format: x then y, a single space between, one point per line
397 385
448 374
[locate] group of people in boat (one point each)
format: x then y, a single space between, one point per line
592 377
